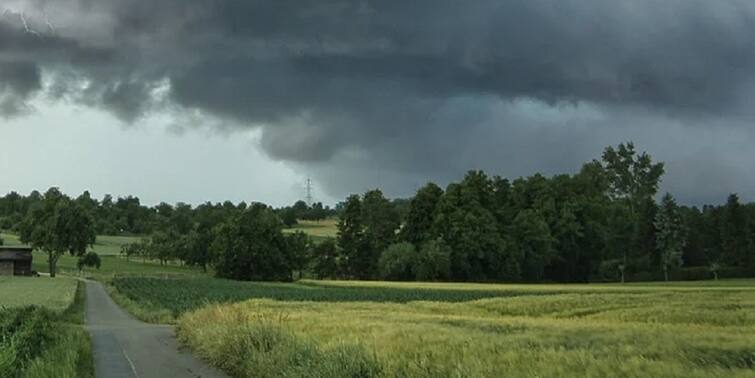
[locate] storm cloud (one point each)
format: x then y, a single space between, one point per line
393 93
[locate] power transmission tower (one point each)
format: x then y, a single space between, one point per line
308 188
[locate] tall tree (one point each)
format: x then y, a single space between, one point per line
735 238
351 236
57 225
325 259
251 246
670 234
633 181
421 215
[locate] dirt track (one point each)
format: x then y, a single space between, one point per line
126 347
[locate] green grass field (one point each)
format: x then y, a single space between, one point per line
55 294
105 245
114 265
317 230
334 328
40 328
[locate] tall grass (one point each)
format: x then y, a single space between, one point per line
662 331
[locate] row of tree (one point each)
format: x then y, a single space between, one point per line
602 223
127 216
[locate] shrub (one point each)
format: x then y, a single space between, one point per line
434 262
397 262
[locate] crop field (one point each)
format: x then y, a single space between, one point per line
55 294
471 330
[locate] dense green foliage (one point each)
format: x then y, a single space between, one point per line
653 330
601 223
57 225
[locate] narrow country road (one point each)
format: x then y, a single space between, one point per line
126 347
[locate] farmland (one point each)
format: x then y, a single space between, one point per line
407 329
55 294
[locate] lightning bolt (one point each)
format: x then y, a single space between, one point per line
21 16
48 23
26 25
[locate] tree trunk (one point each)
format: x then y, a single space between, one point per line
665 273
715 275
51 263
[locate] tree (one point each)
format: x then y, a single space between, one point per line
90 259
534 243
57 225
139 249
633 181
325 259
670 234
288 217
297 245
421 215
433 262
734 233
380 221
350 236
398 262
250 246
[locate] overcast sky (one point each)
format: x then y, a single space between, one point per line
195 100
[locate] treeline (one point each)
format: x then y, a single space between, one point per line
127 216
602 223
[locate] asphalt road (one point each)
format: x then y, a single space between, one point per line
126 347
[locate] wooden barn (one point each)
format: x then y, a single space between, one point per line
15 261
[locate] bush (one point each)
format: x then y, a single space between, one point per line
24 333
397 262
434 262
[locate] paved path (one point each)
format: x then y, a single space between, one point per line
126 347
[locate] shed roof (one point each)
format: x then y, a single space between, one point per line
15 253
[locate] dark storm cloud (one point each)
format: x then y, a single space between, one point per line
425 88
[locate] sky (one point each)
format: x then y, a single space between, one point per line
197 100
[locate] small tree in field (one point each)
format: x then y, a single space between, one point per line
670 235
91 260
57 225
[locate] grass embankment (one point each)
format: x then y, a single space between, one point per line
40 328
374 329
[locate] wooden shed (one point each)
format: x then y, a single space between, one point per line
15 261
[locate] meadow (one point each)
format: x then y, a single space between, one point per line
105 245
316 230
41 333
340 328
55 294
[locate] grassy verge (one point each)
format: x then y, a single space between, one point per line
40 342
